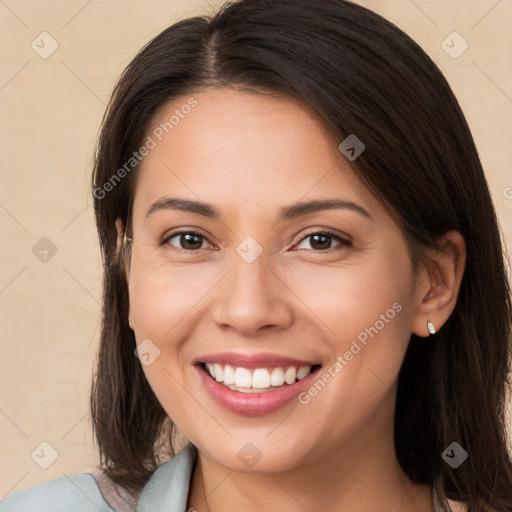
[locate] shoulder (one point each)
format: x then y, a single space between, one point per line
65 493
167 489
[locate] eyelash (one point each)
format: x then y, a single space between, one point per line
344 242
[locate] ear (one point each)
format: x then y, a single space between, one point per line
120 241
438 292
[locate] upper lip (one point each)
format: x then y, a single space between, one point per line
260 360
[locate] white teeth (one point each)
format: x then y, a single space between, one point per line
242 378
290 375
229 375
261 378
252 381
218 372
250 390
304 371
277 377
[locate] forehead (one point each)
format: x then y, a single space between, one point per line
242 147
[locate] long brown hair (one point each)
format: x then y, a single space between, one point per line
363 76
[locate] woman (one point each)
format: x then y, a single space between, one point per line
304 278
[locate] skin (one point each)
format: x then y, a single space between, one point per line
248 155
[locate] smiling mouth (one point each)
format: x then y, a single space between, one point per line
256 380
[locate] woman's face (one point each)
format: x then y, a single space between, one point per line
257 275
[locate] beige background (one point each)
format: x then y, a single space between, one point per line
51 110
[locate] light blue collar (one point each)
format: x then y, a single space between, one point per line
167 489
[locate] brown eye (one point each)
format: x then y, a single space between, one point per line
188 240
322 240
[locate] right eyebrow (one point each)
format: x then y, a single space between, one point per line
188 205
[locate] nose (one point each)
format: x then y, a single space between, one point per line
252 297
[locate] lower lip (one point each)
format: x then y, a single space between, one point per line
253 404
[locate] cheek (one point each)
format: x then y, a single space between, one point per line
155 302
347 299
167 303
162 296
364 312
164 304
365 315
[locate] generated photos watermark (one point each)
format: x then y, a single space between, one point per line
343 359
150 143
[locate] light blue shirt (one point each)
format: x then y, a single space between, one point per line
166 491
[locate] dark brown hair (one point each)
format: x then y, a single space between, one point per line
363 76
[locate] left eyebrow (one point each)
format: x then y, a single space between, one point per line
289 212
299 209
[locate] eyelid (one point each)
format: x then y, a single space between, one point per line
344 239
172 234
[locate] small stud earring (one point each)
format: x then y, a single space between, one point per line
431 328
126 239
